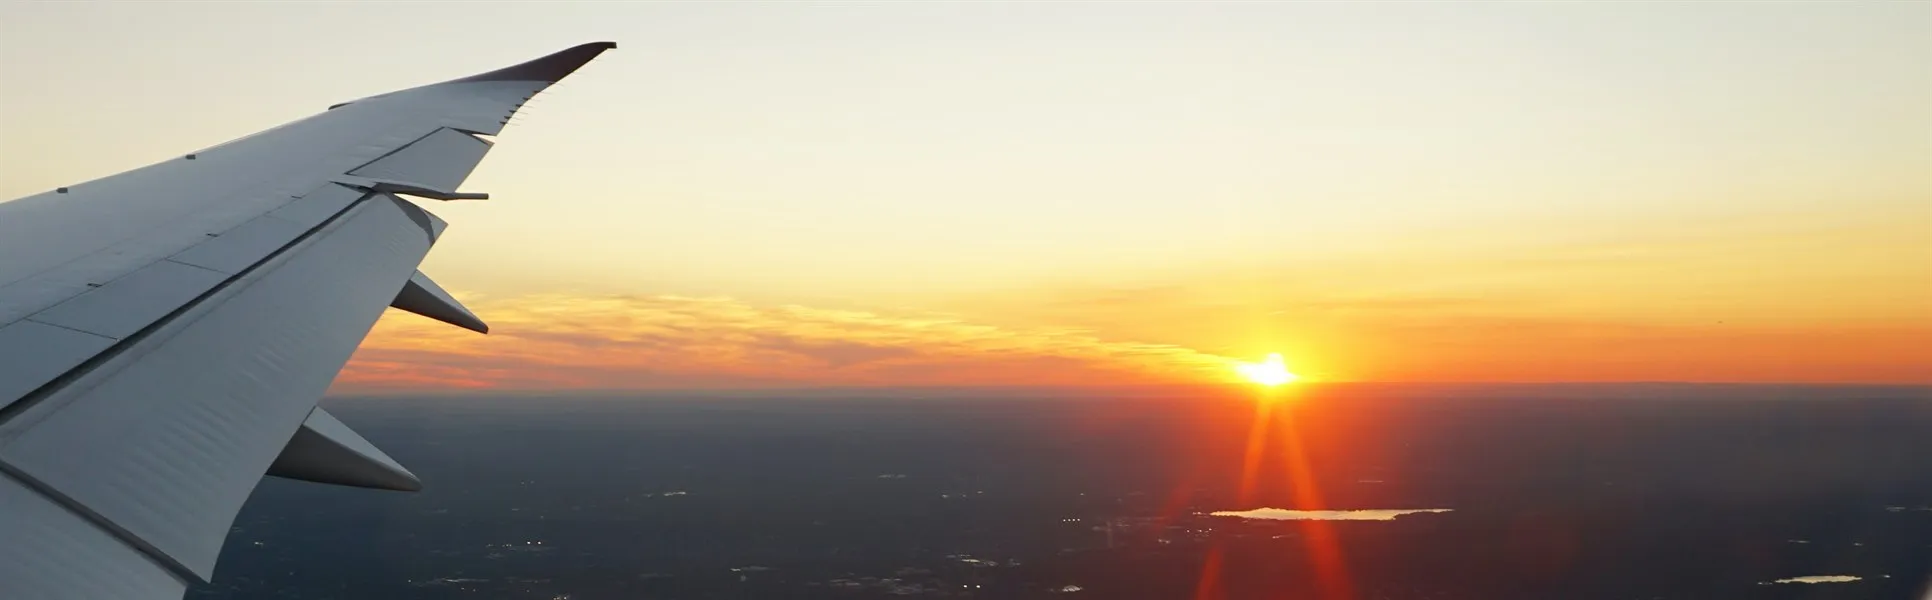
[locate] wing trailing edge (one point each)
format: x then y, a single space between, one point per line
326 451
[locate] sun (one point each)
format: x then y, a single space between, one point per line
1269 372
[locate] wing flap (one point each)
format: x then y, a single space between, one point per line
34 353
35 292
438 161
317 206
235 250
167 438
50 553
128 304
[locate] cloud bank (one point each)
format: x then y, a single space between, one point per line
558 341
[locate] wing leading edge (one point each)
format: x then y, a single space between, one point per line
166 332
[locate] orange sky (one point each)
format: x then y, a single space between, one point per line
1733 327
636 342
752 194
1843 298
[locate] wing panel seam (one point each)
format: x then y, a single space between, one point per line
54 385
167 563
40 322
393 151
172 260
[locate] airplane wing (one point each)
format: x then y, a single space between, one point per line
165 332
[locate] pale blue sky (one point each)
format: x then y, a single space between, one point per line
832 150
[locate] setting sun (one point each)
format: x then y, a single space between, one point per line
1269 372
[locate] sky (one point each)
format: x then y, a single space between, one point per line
876 194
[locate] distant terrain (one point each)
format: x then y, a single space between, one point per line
1568 492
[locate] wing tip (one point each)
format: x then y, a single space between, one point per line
551 68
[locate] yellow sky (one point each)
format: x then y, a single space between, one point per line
1072 193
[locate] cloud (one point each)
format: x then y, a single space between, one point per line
1283 514
1504 329
836 354
558 341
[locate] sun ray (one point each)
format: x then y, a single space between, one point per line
1251 459
1178 500
1324 545
1210 583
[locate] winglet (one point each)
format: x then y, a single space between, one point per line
550 68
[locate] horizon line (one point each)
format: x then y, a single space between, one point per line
1090 390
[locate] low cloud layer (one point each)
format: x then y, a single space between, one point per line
644 342
1283 514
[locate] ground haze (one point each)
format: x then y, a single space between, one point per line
1570 491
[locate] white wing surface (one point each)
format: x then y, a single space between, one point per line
165 332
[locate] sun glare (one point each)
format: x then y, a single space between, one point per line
1270 372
